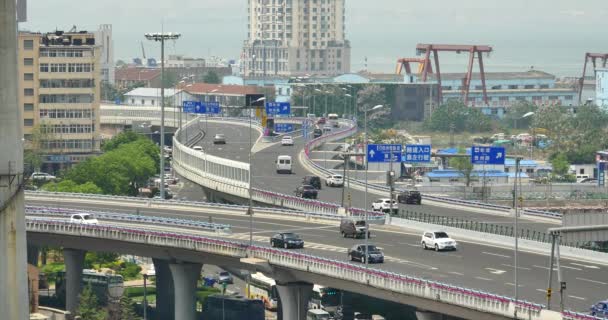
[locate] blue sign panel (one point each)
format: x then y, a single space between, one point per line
417 153
487 155
283 127
382 152
276 108
193 107
211 107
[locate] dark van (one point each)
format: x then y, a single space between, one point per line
410 197
353 228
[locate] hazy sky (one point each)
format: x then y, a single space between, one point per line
551 35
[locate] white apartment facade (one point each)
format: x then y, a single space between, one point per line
296 37
103 38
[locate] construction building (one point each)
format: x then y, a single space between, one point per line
59 78
296 37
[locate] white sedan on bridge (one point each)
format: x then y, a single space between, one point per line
438 240
83 218
287 141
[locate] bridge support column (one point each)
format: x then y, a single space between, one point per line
32 255
428 315
185 276
165 300
294 298
74 263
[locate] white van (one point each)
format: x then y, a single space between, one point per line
317 314
284 164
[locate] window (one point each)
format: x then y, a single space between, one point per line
28 92
582 171
28 122
28 44
529 86
28 107
513 87
44 67
28 76
28 61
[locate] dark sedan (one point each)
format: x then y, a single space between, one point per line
374 254
306 191
286 240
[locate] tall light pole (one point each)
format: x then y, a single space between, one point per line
315 97
530 114
161 37
250 208
365 195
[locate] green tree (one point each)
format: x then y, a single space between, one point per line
560 164
514 119
88 306
211 77
120 139
72 187
127 309
110 92
101 259
460 117
464 166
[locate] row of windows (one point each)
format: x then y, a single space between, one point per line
66 67
65 52
66 114
67 128
502 87
522 98
67 144
66 98
67 83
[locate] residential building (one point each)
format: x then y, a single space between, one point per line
180 61
59 76
601 91
229 96
151 97
103 37
506 89
296 37
129 77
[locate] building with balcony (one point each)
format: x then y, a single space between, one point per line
295 37
59 93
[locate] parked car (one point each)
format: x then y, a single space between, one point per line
42 176
83 218
384 205
313 181
306 191
374 254
410 197
287 141
286 240
284 164
219 139
197 148
600 309
353 228
335 180
437 240
317 132
224 277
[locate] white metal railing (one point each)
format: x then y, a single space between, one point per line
380 279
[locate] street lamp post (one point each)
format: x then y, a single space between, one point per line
250 207
162 37
365 195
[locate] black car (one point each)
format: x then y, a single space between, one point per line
312 181
306 191
286 240
410 197
374 254
317 132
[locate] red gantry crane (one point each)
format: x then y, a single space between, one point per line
593 57
473 50
404 63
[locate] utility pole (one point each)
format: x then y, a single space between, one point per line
13 249
161 37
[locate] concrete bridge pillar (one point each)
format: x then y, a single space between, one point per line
74 263
165 300
294 298
32 255
185 276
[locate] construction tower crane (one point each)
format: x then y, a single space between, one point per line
593 57
473 50
143 52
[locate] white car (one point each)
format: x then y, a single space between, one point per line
384 205
83 218
197 148
437 240
37 176
335 180
287 141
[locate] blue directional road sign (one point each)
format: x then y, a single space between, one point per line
283 127
211 107
191 107
487 155
278 108
382 152
417 153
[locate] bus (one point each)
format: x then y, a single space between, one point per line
218 306
107 287
325 298
333 120
261 287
